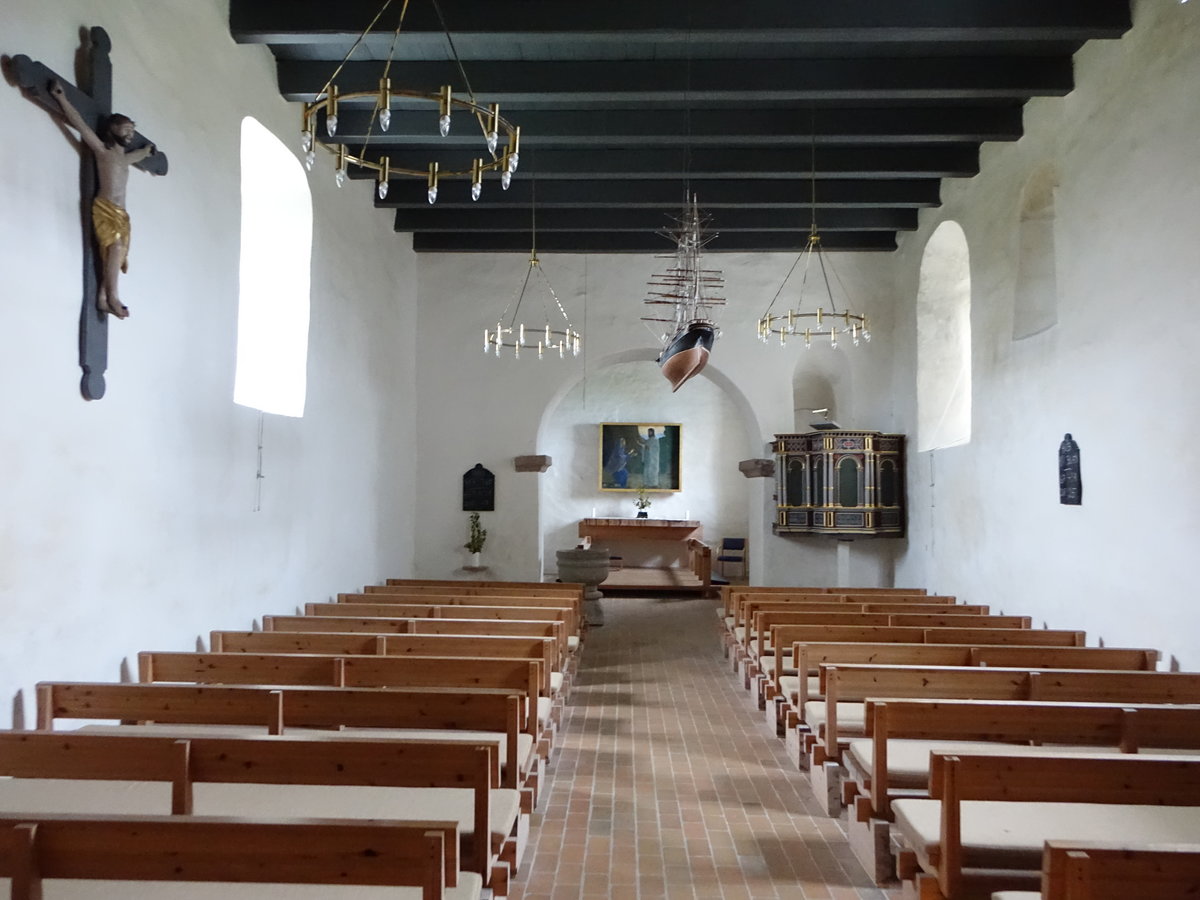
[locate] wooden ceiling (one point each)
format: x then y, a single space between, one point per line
624 105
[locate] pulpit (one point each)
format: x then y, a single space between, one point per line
841 483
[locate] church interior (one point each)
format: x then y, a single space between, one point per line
1002 332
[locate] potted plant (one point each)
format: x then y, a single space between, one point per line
475 540
642 502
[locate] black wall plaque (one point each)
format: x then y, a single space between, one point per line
479 490
1070 482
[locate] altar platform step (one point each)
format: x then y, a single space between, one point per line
635 578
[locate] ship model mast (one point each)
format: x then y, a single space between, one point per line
688 290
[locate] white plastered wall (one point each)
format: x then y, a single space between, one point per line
1119 369
127 523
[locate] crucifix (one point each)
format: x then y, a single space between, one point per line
115 146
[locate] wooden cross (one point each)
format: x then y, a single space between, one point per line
93 100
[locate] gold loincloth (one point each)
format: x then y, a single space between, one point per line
111 225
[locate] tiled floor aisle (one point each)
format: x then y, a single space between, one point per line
668 783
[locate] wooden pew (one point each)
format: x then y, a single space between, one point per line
521 675
573 606
312 711
363 644
423 625
843 685
743 628
760 639
729 593
949 841
911 729
1075 870
47 771
458 646
124 850
733 617
434 611
573 587
783 683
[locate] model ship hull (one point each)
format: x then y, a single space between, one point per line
687 354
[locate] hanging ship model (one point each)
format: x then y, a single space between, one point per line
682 300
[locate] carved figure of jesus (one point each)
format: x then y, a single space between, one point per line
110 221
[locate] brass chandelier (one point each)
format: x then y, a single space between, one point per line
549 335
503 159
823 323
828 323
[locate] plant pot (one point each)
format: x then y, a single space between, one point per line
642 514
475 563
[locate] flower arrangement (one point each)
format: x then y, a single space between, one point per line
642 501
477 535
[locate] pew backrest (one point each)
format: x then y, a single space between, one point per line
275 709
1073 870
210 848
344 644
1124 727
187 762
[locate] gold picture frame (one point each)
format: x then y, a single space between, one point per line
638 456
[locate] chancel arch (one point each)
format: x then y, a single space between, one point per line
944 341
719 428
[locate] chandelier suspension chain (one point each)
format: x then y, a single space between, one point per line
362 37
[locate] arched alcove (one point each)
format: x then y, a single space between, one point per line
821 380
1035 301
944 341
719 429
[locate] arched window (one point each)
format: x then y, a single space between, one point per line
273 278
1035 306
944 341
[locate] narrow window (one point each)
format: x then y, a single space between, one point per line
273 278
944 341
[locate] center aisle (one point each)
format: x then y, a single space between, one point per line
668 783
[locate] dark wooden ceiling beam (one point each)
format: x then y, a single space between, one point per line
796 220
603 83
552 21
941 161
727 127
910 193
644 242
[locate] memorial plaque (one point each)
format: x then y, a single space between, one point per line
479 490
1070 481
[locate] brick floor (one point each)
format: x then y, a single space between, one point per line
668 784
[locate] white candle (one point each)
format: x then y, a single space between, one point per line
687 514
593 512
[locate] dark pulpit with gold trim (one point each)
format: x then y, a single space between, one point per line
841 483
